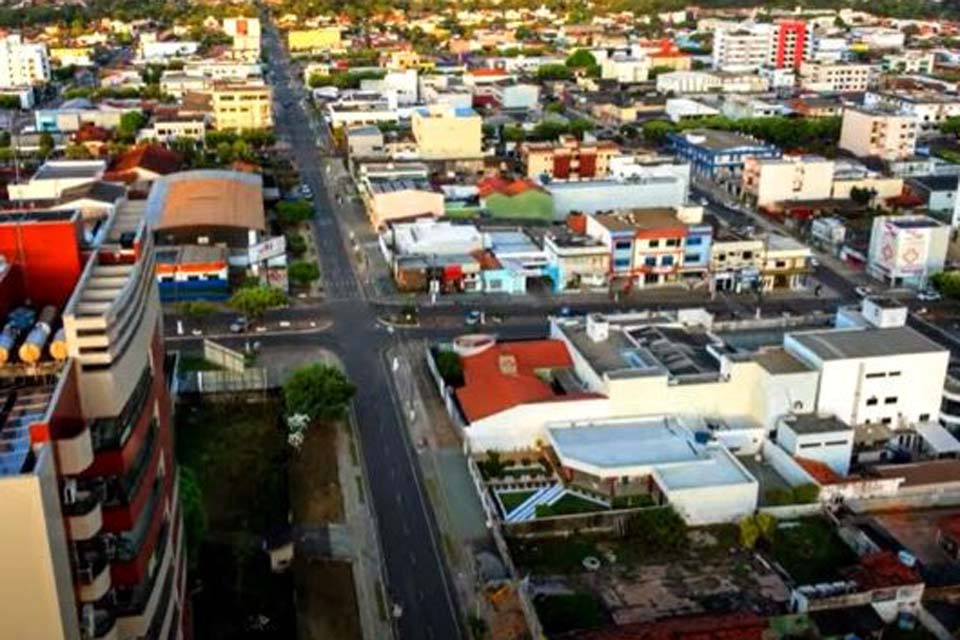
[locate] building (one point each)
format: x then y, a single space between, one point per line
239 106
144 163
907 250
878 133
719 155
743 47
650 247
864 373
246 36
73 115
788 179
314 40
442 133
679 109
576 261
167 128
825 77
193 272
515 95
737 107
93 545
22 64
568 159
72 56
161 51
395 199
658 189
930 108
54 177
209 207
909 61
791 44
625 69
785 263
938 193
823 439
685 82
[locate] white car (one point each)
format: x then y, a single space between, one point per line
929 295
863 292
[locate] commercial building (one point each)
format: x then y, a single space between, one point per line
787 179
930 108
394 199
665 189
742 47
444 133
938 193
167 128
239 106
576 261
22 64
193 272
684 82
907 250
825 77
209 207
791 44
54 177
93 541
568 159
878 133
160 51
918 61
73 115
246 36
719 155
625 69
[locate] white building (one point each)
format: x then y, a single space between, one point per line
787 179
401 83
55 176
743 47
878 133
625 69
246 36
907 250
826 77
152 50
817 437
681 82
930 108
678 109
656 189
22 64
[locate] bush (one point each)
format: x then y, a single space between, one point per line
296 244
947 283
320 391
492 467
806 493
303 273
632 502
293 212
778 497
659 529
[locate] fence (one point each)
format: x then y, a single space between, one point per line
447 395
493 520
599 522
223 356
224 382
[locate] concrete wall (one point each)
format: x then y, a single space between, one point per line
711 505
785 466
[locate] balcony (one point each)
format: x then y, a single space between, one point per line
75 453
93 576
130 544
97 624
84 514
112 433
120 490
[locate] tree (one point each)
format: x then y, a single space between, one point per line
303 273
950 126
450 368
660 529
513 133
862 195
549 72
255 301
293 212
806 493
756 527
579 126
657 130
947 283
76 152
130 123
581 59
46 144
9 102
194 513
319 391
195 309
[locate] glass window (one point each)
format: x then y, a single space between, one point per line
694 241
654 244
667 261
650 261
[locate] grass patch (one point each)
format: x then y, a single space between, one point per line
513 499
562 613
548 556
569 504
810 551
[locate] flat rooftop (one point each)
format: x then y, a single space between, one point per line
811 423
640 219
61 170
841 344
716 140
639 442
391 185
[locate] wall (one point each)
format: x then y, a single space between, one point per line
711 505
785 466
591 197
49 256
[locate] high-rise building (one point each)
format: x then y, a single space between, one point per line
22 64
92 542
744 47
790 44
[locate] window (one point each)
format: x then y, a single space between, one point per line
924 417
654 244
890 400
886 421
671 242
747 255
694 241
810 445
871 402
667 261
691 257
622 245
193 278
893 374
880 374
621 263
650 261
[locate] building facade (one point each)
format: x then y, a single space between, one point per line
22 64
878 133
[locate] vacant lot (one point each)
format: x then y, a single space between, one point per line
239 458
327 604
810 551
314 487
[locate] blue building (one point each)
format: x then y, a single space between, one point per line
718 155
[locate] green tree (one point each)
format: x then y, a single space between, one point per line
947 283
862 195
130 123
659 529
581 59
255 301
293 212
76 152
806 493
194 513
303 273
9 102
579 126
950 126
319 391
46 144
550 72
657 130
195 309
450 368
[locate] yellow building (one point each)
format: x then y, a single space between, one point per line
875 133
241 106
445 133
768 181
319 39
72 56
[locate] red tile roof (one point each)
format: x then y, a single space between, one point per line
728 626
150 157
822 473
486 71
496 184
504 376
882 570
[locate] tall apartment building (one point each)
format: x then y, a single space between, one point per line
22 64
878 133
768 181
238 106
825 77
745 47
790 44
569 159
92 544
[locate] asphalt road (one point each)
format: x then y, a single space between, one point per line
416 573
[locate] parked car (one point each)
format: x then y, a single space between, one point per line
473 318
863 292
240 325
929 295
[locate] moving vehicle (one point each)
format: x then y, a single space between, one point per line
929 295
240 325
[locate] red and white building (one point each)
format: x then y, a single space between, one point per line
93 542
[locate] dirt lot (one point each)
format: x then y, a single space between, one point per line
328 608
314 487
